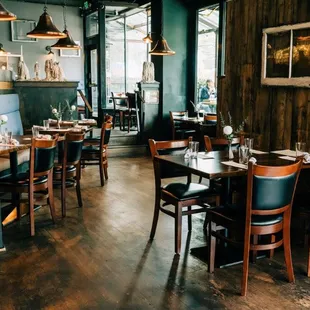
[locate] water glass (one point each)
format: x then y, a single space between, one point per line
249 142
244 154
300 148
186 114
82 117
193 148
35 131
9 137
46 124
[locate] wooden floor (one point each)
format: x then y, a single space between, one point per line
99 257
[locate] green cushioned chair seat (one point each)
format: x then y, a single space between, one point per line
184 191
21 178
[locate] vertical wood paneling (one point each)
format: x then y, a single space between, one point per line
277 116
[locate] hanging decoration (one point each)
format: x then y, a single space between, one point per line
45 28
67 42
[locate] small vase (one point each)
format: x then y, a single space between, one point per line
58 124
230 151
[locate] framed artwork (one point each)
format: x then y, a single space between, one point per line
286 56
20 28
70 53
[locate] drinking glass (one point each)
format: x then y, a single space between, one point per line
82 117
249 142
46 124
300 148
35 131
244 154
9 137
186 114
194 148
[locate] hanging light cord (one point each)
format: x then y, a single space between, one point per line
45 6
162 18
65 14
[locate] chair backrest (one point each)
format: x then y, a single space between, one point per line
106 133
270 189
210 118
175 124
131 100
118 102
219 144
42 156
173 147
71 148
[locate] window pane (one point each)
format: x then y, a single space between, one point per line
208 25
115 61
136 26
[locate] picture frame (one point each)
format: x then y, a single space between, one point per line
20 28
71 53
286 56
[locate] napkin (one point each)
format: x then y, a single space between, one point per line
253 160
285 153
14 142
258 152
204 156
234 164
44 137
306 158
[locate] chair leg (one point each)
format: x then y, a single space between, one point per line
51 197
129 123
101 172
254 252
287 247
31 214
246 256
189 219
78 193
211 245
178 229
105 168
308 267
155 217
271 252
63 198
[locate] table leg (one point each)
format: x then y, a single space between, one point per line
2 247
226 197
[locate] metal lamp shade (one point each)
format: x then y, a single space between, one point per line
162 48
66 43
2 50
148 39
45 29
5 15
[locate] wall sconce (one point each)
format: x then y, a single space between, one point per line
49 49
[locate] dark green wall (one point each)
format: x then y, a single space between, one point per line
172 71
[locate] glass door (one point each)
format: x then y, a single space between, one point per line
93 80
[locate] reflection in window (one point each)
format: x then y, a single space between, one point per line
92 25
208 25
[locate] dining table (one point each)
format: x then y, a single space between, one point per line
214 165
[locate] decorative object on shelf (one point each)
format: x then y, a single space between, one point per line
45 28
20 28
49 68
229 133
70 52
148 72
161 47
286 56
23 71
50 52
67 42
36 71
58 73
6 15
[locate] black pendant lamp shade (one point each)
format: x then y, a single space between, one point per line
45 28
162 48
5 15
66 43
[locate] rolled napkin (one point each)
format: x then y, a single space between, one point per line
306 159
79 127
253 160
39 127
44 137
14 142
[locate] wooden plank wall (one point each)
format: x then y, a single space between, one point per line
277 116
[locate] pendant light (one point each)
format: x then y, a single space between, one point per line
45 28
162 48
5 15
148 38
67 42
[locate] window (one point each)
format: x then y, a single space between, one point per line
125 53
207 57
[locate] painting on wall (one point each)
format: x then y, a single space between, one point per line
20 28
70 53
286 56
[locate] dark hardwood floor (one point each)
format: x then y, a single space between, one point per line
99 257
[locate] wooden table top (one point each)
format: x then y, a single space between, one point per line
86 122
60 131
212 168
24 143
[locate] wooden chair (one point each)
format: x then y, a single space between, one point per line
94 152
180 130
119 110
179 195
133 113
210 118
270 193
38 181
67 173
